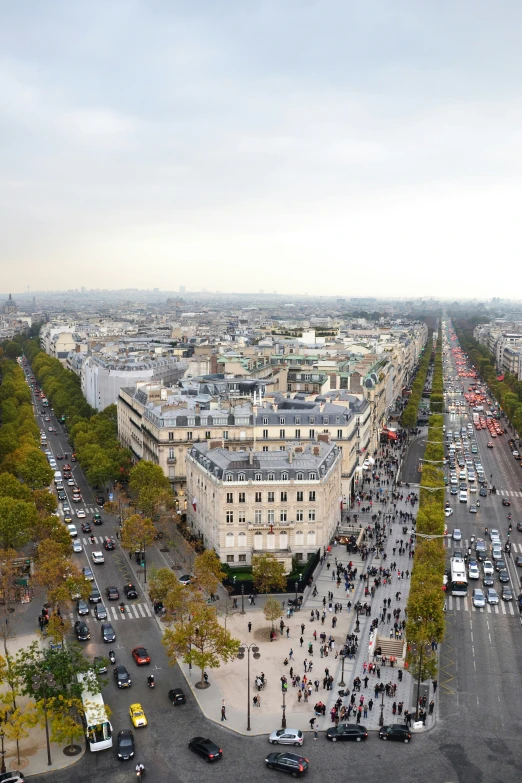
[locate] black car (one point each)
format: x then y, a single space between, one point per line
97 520
503 576
130 591
107 633
177 696
483 492
95 596
100 500
395 731
122 676
481 555
519 527
112 593
100 612
506 502
507 593
206 748
86 527
81 630
293 763
62 495
500 565
125 744
518 562
109 544
81 607
488 581
347 731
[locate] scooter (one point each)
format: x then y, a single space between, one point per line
112 656
150 681
122 608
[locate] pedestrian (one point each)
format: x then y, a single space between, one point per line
254 701
370 705
302 628
287 632
249 627
431 707
223 711
315 733
291 655
301 640
312 723
435 686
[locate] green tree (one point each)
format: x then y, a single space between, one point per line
272 609
137 533
208 571
10 487
268 574
17 517
34 469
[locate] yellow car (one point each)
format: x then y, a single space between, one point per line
137 716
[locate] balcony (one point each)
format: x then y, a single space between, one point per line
171 460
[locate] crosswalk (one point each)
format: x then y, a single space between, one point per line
465 544
88 510
466 605
137 611
509 493
97 540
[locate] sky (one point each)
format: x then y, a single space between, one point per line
330 147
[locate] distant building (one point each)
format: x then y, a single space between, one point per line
10 306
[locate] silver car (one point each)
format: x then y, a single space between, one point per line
491 596
286 737
479 600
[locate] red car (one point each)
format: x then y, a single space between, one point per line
141 656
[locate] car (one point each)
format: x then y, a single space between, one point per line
395 731
80 513
112 593
473 571
86 527
88 574
59 456
100 500
503 576
108 543
518 561
122 677
13 776
62 496
506 502
494 534
483 492
488 580
125 744
292 763
457 535
108 634
347 732
97 520
491 596
506 593
186 579
515 454
519 527
77 545
100 612
77 499
473 509
479 600
51 429
448 512
137 715
71 529
95 596
177 696
141 656
81 607
81 629
97 558
206 748
286 737
499 563
70 482
488 568
457 555
454 491
66 508
130 591
100 666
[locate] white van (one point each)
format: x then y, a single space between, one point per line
57 476
463 497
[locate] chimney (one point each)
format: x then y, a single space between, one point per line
317 451
299 449
324 437
215 444
290 456
251 457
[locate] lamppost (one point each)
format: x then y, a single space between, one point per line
284 687
296 589
381 716
41 682
420 650
342 683
241 654
242 599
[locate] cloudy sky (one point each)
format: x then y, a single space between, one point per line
321 146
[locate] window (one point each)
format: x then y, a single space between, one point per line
172 454
299 516
271 497
171 436
282 448
298 420
241 477
326 420
283 497
282 434
265 421
189 436
241 558
281 420
284 476
298 434
265 434
282 516
258 516
207 434
339 434
271 517
241 518
191 421
311 538
265 448
307 387
258 497
229 540
230 558
230 497
230 517
225 434
311 496
311 515
258 477
299 497
271 476
311 434
298 555
299 538
311 420
230 477
312 477
300 476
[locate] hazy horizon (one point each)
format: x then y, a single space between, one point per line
332 148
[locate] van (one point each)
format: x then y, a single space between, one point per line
463 497
57 476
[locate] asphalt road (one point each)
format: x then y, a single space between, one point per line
476 738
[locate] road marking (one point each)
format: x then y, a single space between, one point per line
465 604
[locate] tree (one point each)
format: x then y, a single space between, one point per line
272 610
200 640
268 574
17 517
208 572
66 714
55 572
45 501
137 533
10 487
34 469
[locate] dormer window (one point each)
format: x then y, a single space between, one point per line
312 476
284 476
258 477
282 420
300 477
312 419
230 477
241 477
271 476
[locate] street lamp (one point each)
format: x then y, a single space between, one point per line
242 599
381 716
296 589
284 686
41 682
342 683
241 654
420 650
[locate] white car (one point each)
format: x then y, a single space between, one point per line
72 531
473 572
479 600
494 535
286 737
457 535
77 544
80 513
448 512
487 567
97 557
71 482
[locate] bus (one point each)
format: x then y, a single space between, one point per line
458 578
98 729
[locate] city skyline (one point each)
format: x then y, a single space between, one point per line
331 149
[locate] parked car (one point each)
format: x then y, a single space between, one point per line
395 731
286 737
351 732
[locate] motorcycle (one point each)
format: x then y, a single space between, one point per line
509 516
472 539
150 681
122 608
112 656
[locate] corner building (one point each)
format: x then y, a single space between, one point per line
247 503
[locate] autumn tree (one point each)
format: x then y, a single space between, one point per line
33 469
272 609
208 571
17 517
61 579
268 574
